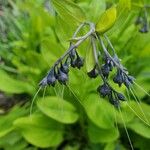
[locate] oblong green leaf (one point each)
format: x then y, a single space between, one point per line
6 121
125 4
99 7
99 111
97 134
140 128
40 130
89 59
69 11
58 109
106 20
11 85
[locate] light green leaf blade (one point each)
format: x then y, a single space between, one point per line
39 130
6 121
97 134
123 14
58 109
89 59
96 8
107 20
140 128
11 85
125 4
13 139
142 110
97 110
69 11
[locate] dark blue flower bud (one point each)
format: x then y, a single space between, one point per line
51 79
131 79
43 82
118 78
120 97
73 63
93 73
65 67
79 62
114 102
62 77
144 28
104 90
105 70
72 54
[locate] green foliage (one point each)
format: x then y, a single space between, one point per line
107 20
89 61
10 85
102 135
58 109
33 35
40 130
69 11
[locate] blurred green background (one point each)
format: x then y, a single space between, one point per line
33 35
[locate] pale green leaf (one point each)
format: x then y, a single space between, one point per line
97 110
107 20
126 4
96 8
58 109
97 134
141 110
140 128
89 59
6 121
69 11
10 85
39 130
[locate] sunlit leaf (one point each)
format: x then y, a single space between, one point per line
140 128
97 134
6 121
96 8
69 11
97 110
107 20
89 59
58 109
40 130
10 85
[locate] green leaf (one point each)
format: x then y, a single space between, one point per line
97 110
140 128
58 109
107 20
97 134
126 114
11 85
96 8
140 123
6 121
114 146
69 11
39 130
123 16
89 59
13 139
110 146
137 4
141 110
125 4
